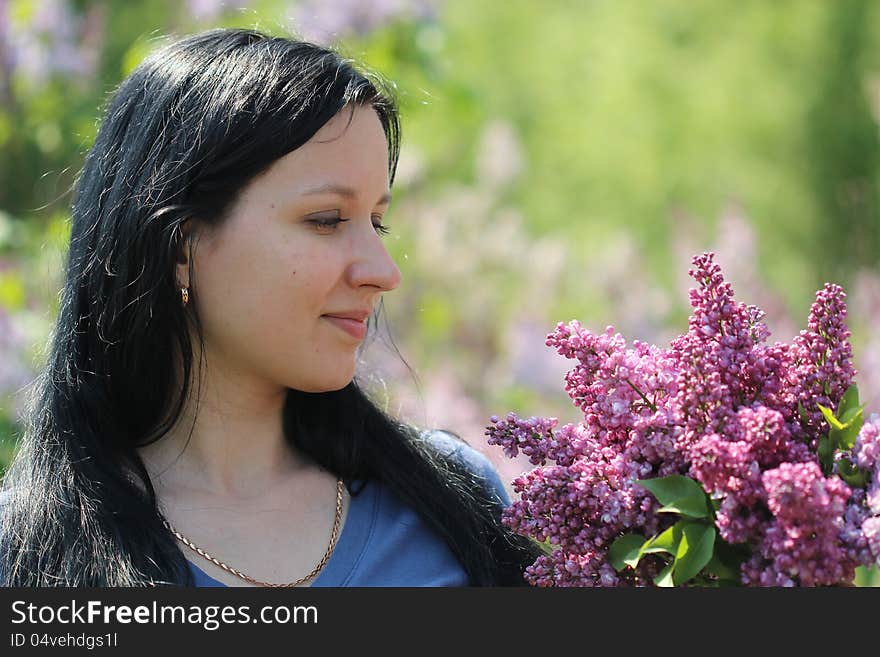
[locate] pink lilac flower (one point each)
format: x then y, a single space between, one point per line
716 361
866 516
532 437
590 569
729 467
822 355
565 570
802 544
738 416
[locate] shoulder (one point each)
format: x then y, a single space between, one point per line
454 447
476 462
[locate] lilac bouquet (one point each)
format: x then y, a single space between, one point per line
720 460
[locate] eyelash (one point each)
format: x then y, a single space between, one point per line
335 221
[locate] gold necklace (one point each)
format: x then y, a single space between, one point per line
334 535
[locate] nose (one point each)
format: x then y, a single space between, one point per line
371 263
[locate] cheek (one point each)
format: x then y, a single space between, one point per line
292 292
268 287
235 285
312 263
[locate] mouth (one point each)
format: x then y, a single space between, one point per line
353 327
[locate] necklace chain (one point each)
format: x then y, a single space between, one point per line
334 536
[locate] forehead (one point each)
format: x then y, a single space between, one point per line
349 150
351 145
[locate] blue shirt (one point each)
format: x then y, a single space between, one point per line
386 543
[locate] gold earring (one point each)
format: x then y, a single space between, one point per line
184 295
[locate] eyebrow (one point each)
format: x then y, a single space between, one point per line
342 190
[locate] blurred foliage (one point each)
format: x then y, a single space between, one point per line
842 144
561 160
867 576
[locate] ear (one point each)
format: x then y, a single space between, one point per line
183 252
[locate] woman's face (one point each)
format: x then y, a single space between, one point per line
265 279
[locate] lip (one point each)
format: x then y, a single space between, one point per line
359 315
356 329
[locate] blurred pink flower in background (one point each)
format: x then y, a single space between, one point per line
499 158
206 10
325 21
15 373
634 301
53 39
526 363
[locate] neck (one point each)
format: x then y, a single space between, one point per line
230 449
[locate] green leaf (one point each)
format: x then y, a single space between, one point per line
851 474
664 579
730 557
826 454
802 413
848 436
695 551
835 438
829 417
689 508
691 545
721 569
680 495
850 415
845 436
852 428
849 401
626 551
726 560
666 541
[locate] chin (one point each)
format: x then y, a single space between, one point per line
340 385
318 388
334 384
325 377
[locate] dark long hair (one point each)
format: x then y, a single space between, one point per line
183 134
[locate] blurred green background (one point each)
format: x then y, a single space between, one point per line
560 160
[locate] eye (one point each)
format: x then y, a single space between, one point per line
328 222
380 227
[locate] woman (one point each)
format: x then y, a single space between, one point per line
230 213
